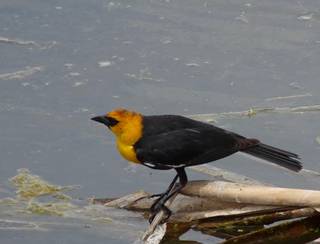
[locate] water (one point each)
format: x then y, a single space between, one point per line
180 57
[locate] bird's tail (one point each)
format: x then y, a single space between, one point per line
274 155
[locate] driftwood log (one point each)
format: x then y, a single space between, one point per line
260 195
211 206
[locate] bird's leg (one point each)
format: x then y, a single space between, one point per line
161 195
183 181
159 204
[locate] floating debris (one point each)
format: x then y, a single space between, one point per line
78 83
27 43
21 74
106 63
113 5
18 42
144 74
243 18
296 85
251 112
68 65
255 111
8 201
193 64
6 224
288 97
306 16
166 40
74 74
25 84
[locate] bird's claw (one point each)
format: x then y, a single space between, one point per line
156 209
155 195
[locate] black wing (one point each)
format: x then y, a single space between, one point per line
171 141
158 124
185 147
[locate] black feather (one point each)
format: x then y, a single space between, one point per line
173 141
185 147
275 155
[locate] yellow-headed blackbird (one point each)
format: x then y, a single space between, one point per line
175 142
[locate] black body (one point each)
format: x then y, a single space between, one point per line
172 141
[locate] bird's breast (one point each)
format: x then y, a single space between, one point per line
127 151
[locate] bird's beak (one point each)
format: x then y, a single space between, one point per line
102 119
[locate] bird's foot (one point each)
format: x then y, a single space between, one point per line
158 203
157 209
155 195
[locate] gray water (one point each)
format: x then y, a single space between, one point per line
156 57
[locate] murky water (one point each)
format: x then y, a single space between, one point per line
64 61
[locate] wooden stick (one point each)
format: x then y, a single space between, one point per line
261 195
128 200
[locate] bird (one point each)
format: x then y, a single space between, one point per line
165 142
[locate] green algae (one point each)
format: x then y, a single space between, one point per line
29 186
51 208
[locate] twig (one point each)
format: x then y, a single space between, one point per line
18 42
128 200
254 111
21 74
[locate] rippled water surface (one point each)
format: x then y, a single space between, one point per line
64 61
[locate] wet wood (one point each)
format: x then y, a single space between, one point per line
230 210
249 194
239 225
300 231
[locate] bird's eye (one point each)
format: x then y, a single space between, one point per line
112 121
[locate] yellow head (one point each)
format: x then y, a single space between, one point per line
126 125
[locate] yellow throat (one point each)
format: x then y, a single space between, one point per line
127 151
128 131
